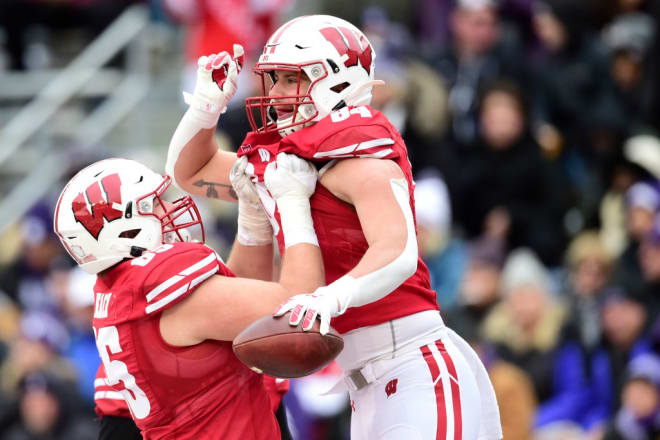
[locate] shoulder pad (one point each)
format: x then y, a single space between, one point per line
345 133
172 271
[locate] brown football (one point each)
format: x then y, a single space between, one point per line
271 346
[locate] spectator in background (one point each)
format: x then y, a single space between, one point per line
623 109
513 388
444 255
639 416
589 266
503 186
77 303
629 38
479 290
525 325
393 43
571 85
36 349
580 399
642 202
414 96
433 23
638 162
474 56
47 411
604 12
649 260
25 280
624 320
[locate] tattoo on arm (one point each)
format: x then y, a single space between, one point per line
211 191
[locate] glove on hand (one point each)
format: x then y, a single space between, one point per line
254 228
217 80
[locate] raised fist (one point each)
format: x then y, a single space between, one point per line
217 79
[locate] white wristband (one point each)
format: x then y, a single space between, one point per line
254 228
206 106
344 290
297 224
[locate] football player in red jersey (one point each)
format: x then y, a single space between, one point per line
408 375
116 422
167 307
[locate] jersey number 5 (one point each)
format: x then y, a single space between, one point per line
107 339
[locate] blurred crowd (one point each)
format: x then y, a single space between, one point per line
532 127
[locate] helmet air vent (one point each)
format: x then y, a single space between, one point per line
131 233
340 87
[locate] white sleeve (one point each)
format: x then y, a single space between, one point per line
356 292
199 116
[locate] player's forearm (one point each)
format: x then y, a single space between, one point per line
189 152
254 262
392 256
302 269
302 272
382 270
383 255
192 158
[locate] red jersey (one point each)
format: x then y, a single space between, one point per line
201 391
350 132
276 388
107 401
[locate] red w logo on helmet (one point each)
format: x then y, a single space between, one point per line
101 207
346 44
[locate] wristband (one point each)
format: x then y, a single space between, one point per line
254 228
297 224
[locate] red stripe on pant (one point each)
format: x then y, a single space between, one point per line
441 432
455 392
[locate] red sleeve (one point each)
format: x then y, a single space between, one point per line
173 271
108 402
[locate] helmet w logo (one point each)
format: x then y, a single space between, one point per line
102 199
346 44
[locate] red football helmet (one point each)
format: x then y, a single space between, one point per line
107 213
335 56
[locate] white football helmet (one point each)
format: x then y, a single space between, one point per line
106 214
336 57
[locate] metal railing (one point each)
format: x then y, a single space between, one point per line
128 32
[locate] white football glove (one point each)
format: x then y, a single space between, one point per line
325 303
254 228
217 81
291 181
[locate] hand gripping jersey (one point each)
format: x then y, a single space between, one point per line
351 132
197 392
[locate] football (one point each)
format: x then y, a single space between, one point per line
271 346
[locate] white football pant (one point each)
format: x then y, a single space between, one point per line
431 386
